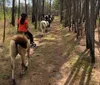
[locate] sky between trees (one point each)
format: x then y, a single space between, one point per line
22 1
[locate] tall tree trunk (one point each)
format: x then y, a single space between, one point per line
97 11
47 7
18 13
36 14
13 13
74 16
87 24
43 6
19 10
66 13
50 6
33 11
61 10
69 18
99 28
77 17
39 12
25 7
92 27
4 20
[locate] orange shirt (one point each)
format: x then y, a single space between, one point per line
23 27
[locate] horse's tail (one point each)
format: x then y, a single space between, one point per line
42 24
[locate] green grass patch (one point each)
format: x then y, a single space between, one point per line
4 76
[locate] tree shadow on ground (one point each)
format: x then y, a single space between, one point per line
97 45
86 73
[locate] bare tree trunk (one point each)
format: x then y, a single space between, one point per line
66 13
61 10
77 17
50 6
13 13
25 7
18 13
33 11
97 8
36 15
19 10
87 24
74 16
69 18
47 7
39 12
4 20
92 27
43 6
99 28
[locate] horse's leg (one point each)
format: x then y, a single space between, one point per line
23 65
13 53
42 30
24 61
13 70
46 29
26 58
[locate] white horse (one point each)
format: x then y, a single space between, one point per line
44 26
19 44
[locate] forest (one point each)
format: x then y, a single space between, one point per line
49 42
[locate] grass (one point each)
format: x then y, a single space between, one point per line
4 76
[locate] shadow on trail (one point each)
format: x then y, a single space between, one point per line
54 53
86 73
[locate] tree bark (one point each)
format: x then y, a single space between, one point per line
36 14
13 13
33 11
61 10
92 27
25 7
87 24
50 7
18 14
43 6
4 20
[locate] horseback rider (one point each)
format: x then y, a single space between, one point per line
23 28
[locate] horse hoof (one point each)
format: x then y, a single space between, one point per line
20 75
26 68
13 82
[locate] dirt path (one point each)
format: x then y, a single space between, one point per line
58 60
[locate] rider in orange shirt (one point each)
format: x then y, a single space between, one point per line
23 28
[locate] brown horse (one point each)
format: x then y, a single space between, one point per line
19 44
